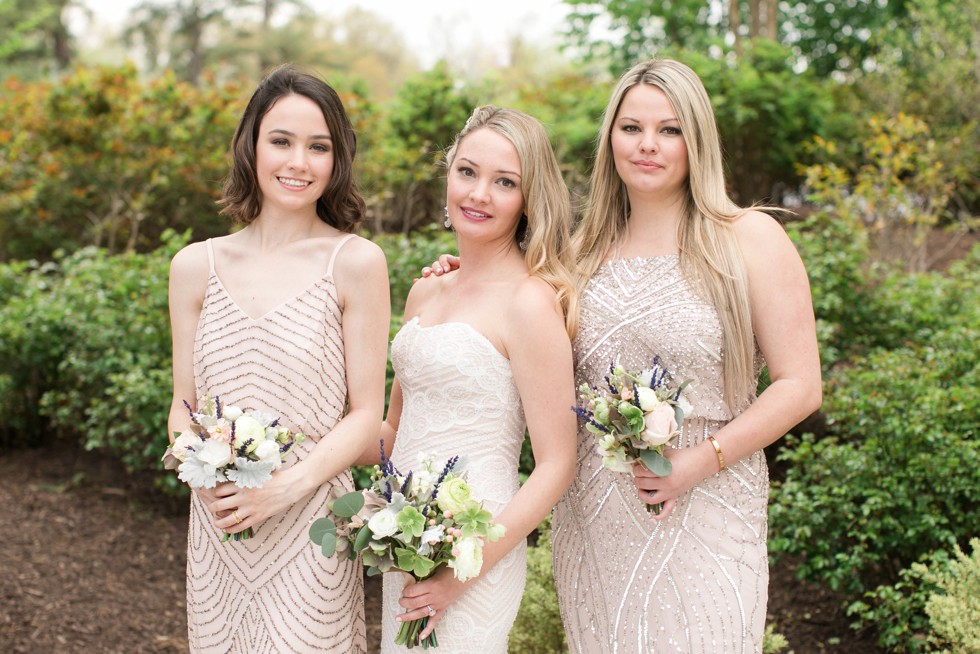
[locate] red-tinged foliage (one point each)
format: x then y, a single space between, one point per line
115 158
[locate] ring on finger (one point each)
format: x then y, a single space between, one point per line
432 611
234 514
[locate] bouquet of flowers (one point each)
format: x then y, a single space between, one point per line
224 443
633 415
411 522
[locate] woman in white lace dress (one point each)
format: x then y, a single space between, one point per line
484 352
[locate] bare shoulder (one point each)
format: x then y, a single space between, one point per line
760 236
359 256
535 299
424 290
191 262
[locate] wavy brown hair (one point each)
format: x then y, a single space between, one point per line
547 208
341 204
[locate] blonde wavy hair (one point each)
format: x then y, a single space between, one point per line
545 225
709 253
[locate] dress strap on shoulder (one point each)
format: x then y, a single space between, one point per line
336 249
210 256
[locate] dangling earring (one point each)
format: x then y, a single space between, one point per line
527 236
447 222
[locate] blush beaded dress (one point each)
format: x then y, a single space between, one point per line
274 593
460 399
697 582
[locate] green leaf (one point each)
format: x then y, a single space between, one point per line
362 539
348 505
678 415
656 462
329 544
321 528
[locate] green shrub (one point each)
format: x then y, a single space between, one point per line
897 612
538 628
773 641
901 474
954 610
33 342
114 381
835 254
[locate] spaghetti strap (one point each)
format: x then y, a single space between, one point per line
210 257
333 257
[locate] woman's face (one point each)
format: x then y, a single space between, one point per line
483 192
293 154
648 148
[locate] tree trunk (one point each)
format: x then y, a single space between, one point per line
734 24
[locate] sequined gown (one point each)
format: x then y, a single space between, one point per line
459 398
697 582
273 593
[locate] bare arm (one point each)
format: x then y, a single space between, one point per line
783 322
362 283
188 282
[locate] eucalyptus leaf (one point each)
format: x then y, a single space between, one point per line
329 544
320 528
678 415
656 462
362 538
348 505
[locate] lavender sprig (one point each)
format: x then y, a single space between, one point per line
407 484
191 411
445 471
586 415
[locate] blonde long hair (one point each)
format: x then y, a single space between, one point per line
545 226
709 252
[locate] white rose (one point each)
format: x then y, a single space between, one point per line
248 428
659 425
467 558
231 413
383 523
184 444
215 454
648 398
268 452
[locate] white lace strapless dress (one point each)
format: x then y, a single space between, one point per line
459 398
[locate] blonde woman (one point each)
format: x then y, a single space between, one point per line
672 268
484 353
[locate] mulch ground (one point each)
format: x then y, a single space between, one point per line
92 562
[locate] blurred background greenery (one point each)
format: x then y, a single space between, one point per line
859 115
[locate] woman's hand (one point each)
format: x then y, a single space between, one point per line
435 593
209 496
446 263
236 509
689 466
